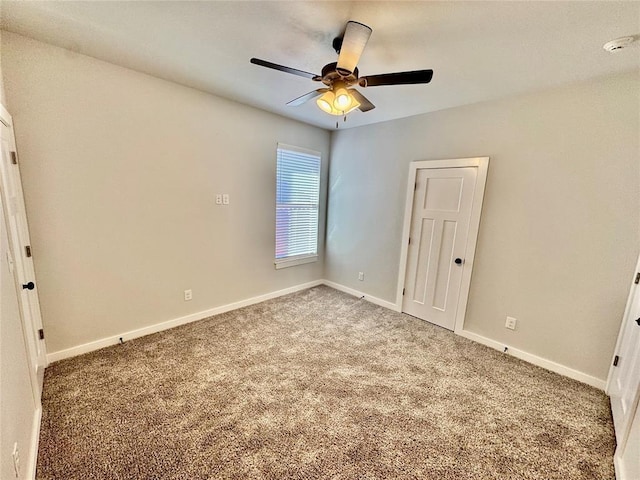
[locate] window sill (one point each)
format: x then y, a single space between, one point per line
292 262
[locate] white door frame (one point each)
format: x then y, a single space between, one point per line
482 164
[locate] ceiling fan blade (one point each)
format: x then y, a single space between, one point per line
306 97
399 78
365 104
282 68
355 38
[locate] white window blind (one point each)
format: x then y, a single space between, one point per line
297 197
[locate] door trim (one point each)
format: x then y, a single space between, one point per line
482 164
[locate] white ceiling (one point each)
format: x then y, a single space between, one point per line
478 50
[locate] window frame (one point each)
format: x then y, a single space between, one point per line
302 259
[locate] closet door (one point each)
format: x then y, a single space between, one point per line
20 249
623 385
441 212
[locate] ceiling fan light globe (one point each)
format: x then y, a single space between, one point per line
342 101
325 102
354 104
324 105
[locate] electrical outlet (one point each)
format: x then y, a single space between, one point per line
16 459
511 323
361 276
225 199
218 199
188 295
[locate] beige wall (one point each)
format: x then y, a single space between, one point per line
2 94
120 172
559 233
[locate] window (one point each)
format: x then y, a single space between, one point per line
297 197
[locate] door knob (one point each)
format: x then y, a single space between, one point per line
28 286
638 321
458 261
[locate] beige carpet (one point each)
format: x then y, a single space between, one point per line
317 384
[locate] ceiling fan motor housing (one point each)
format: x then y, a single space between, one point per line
331 74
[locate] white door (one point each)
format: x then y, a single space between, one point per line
20 246
624 378
441 212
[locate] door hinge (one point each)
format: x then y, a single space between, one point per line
409 240
616 359
415 186
41 334
27 250
403 292
637 278
14 158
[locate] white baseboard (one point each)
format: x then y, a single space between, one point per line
522 355
535 360
35 440
356 293
158 327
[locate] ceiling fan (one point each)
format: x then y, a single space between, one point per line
339 97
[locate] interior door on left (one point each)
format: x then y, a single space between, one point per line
624 379
18 230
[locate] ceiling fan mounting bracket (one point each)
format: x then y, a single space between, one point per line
337 44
